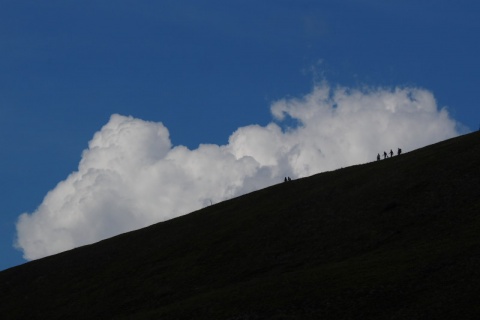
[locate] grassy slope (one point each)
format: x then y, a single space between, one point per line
394 239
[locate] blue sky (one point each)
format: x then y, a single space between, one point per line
204 69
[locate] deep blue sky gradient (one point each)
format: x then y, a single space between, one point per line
203 69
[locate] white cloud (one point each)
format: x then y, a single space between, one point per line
131 176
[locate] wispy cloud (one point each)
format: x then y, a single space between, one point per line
131 176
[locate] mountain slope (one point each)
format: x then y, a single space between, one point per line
393 239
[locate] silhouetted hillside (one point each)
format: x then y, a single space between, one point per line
393 239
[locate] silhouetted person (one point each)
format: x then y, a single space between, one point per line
378 157
399 152
285 180
384 155
391 153
289 179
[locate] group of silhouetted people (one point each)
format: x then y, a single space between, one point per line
287 179
385 154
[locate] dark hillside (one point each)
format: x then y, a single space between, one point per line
393 239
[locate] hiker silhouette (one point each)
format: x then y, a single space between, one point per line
384 155
399 152
378 157
391 153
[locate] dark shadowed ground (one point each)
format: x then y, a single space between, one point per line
393 239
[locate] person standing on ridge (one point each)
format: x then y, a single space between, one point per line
391 153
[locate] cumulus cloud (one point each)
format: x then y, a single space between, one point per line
131 176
